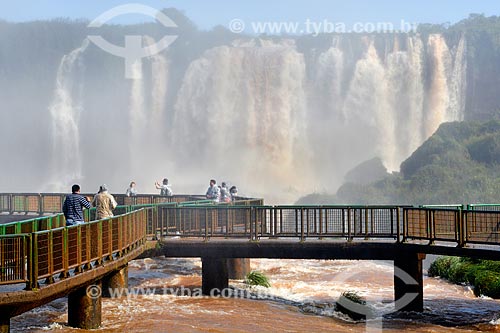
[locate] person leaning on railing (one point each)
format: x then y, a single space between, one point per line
233 191
164 187
73 206
132 190
104 203
213 191
224 193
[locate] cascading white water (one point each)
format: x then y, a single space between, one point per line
137 118
65 110
240 113
274 119
147 116
438 98
328 80
387 106
244 103
159 70
367 103
458 82
411 121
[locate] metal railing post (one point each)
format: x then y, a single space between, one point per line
50 257
366 222
320 222
206 224
349 232
431 226
462 228
398 231
34 262
250 213
65 254
302 238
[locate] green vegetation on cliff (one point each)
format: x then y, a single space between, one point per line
458 164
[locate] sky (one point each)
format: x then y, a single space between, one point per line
207 14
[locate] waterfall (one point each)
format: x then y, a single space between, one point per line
458 82
328 80
367 104
411 127
243 107
240 113
159 70
438 97
137 119
387 105
147 120
65 110
405 98
275 118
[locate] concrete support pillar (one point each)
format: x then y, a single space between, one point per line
84 307
116 280
214 276
238 268
4 324
408 282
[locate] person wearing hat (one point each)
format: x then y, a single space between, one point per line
104 203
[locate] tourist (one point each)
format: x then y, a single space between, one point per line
73 206
224 193
164 188
104 203
213 192
132 190
233 191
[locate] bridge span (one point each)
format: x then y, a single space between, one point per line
41 259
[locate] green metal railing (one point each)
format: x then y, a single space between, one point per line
55 221
484 207
49 203
444 224
255 222
43 248
14 253
62 251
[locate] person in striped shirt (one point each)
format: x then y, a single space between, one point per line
73 206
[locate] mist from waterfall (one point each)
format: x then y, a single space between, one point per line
272 118
393 99
240 115
147 121
65 110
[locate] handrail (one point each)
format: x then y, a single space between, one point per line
488 207
30 225
402 223
49 203
63 251
43 248
254 222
